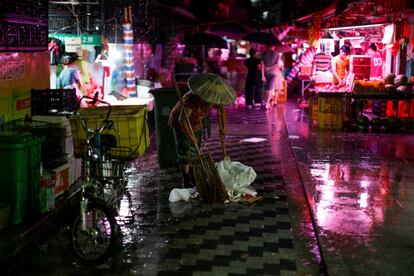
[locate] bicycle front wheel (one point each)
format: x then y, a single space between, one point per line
94 244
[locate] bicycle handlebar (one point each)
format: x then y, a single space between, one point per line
94 100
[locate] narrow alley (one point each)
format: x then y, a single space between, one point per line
355 219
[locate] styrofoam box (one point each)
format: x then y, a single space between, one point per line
62 179
75 169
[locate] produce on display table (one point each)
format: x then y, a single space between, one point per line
392 123
362 122
389 79
330 87
402 84
369 86
400 80
376 123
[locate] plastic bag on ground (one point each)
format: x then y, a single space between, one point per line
179 194
235 175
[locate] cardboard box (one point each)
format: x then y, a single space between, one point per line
282 94
62 179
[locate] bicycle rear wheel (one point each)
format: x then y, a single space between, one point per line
94 245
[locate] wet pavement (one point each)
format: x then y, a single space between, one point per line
335 203
195 238
360 187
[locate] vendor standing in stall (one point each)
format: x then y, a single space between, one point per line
376 62
340 66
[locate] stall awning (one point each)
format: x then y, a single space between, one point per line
280 31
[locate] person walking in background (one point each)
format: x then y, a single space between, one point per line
253 88
287 60
279 87
270 66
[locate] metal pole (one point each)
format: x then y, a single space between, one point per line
87 16
103 17
77 25
116 31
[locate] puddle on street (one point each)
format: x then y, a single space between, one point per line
352 195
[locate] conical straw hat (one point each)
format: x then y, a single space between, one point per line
212 88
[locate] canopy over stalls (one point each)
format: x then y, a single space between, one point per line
230 29
280 31
355 13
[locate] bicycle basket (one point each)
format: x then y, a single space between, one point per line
114 164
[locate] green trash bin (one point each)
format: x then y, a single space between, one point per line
20 173
165 99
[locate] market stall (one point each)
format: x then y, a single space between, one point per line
359 78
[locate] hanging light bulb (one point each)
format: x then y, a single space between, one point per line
68 2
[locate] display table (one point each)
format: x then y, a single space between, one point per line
393 96
360 98
329 110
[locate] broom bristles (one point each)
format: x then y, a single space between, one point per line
208 182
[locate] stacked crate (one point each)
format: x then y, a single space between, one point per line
130 128
63 174
53 101
361 67
313 108
282 94
330 111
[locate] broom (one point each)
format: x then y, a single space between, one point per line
208 181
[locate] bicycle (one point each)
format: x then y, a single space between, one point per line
93 231
110 174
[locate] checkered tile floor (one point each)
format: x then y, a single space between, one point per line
196 238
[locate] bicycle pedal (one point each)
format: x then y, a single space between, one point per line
129 222
128 219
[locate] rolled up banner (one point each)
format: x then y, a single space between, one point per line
128 36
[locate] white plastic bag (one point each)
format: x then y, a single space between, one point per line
179 194
235 175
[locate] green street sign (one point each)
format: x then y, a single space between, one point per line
85 38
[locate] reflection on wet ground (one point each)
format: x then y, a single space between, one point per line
194 238
361 189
